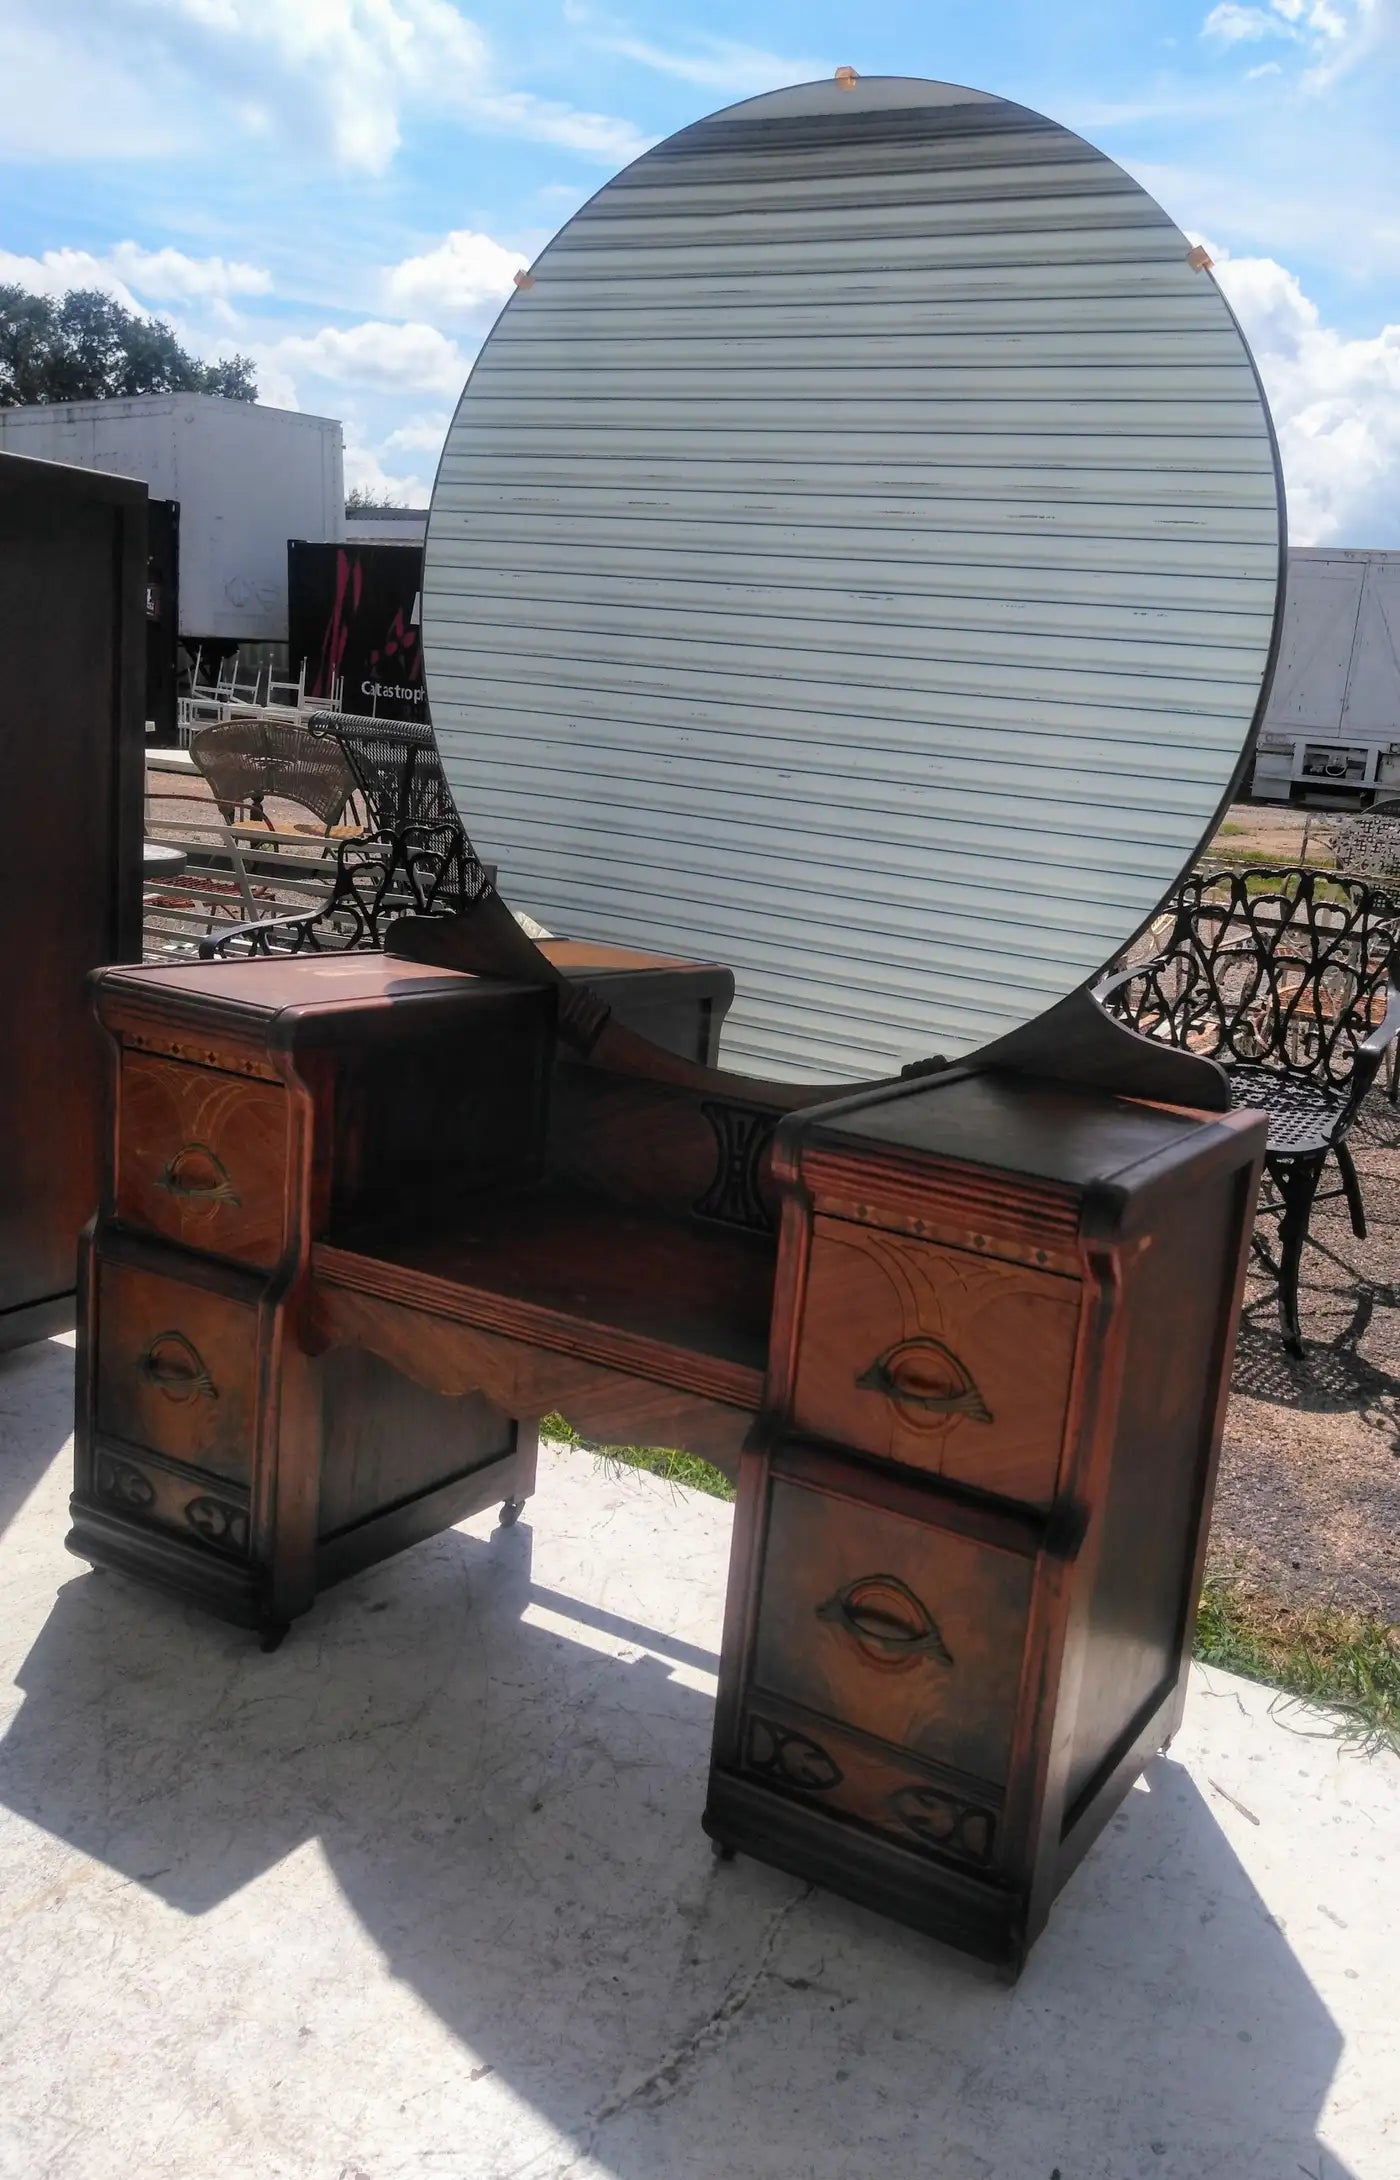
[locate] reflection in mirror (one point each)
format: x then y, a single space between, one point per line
854 561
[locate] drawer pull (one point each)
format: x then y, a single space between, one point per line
925 1375
888 1622
195 1171
176 1368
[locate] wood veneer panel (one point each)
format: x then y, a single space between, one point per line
387 1440
908 1632
563 1269
1178 1304
953 1363
202 1158
176 1369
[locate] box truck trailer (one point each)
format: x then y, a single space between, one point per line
245 478
1331 731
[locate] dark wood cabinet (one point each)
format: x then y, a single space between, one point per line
970 1538
965 1343
72 675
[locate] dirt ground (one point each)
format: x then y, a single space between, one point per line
1308 1501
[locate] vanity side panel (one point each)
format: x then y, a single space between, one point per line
1181 1303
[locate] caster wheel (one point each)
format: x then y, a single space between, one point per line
510 1513
271 1633
722 1851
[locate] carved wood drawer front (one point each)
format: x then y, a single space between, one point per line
144 1490
950 1362
202 1158
958 1820
904 1631
176 1370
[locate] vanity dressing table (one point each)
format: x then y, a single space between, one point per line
852 579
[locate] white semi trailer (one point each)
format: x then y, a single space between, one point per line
1332 728
246 478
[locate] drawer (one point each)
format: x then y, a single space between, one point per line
176 1370
892 1626
202 1158
944 1360
142 1489
958 1821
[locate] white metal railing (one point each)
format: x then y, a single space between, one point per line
234 872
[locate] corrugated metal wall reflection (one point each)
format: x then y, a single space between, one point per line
854 559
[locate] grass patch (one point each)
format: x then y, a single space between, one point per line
1346 1660
677 1468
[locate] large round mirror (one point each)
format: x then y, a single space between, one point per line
855 560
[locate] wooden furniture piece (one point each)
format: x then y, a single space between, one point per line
261 1108
854 454
971 1529
72 680
1290 980
365 1221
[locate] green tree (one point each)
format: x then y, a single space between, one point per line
362 499
87 347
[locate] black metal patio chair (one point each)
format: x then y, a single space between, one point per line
1287 978
420 870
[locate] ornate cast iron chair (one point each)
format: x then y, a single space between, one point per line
1288 978
423 870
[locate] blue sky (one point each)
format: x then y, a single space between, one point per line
342 188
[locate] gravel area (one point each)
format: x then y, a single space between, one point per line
1308 1501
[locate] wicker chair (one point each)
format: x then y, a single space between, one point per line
1288 978
245 759
395 766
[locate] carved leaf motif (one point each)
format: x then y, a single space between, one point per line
942 1821
794 1759
118 1480
218 1523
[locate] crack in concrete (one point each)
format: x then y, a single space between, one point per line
662 2080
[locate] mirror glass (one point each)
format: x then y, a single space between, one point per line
854 560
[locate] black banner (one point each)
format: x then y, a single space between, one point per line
352 612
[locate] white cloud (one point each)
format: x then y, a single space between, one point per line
136 277
375 355
1335 403
1333 35
364 468
86 96
717 64
305 74
465 271
421 435
1234 24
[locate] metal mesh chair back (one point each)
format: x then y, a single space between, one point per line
1368 845
395 766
